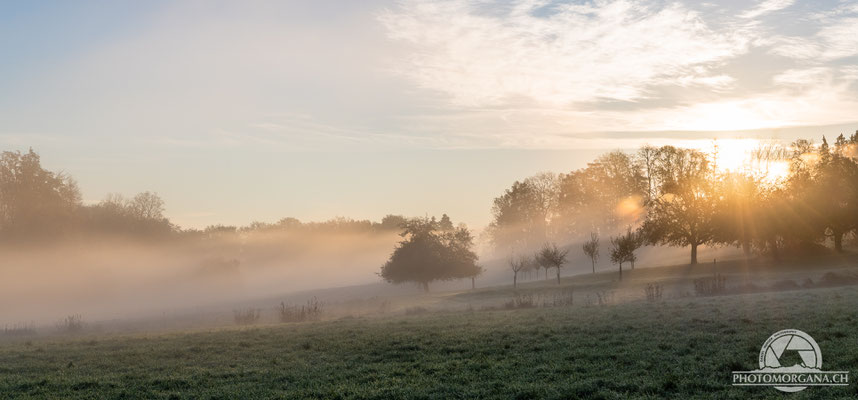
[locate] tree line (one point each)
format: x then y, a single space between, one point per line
679 197
38 204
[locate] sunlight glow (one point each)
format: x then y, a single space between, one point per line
736 155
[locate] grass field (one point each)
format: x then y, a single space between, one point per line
674 348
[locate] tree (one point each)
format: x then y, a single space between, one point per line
551 257
521 216
518 264
618 253
835 193
646 157
624 247
591 249
34 202
445 224
738 216
147 206
427 254
683 214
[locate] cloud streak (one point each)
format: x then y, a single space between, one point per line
557 54
627 65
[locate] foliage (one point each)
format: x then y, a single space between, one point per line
310 311
653 291
591 249
34 202
710 285
551 257
71 324
428 254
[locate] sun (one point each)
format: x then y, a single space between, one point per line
736 155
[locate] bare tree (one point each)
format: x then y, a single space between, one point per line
147 205
551 257
591 249
518 264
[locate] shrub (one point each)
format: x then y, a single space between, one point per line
311 311
653 291
600 298
249 316
23 329
564 298
521 300
710 285
71 324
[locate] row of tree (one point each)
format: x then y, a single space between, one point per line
678 197
36 203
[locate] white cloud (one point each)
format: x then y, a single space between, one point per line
837 39
614 50
766 7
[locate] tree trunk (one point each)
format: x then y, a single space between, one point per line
425 287
746 248
473 285
558 275
514 279
633 263
594 265
838 241
694 254
621 272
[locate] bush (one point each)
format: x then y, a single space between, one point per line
310 311
23 329
653 292
521 301
249 316
71 324
710 285
600 298
564 298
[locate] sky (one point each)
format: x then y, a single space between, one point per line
242 111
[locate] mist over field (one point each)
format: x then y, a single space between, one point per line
428 199
108 278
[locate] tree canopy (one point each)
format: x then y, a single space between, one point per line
429 253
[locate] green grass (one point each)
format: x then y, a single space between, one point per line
679 348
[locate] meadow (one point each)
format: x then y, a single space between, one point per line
677 346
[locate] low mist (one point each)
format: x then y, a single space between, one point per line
108 278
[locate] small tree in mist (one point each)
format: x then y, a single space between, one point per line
518 264
591 249
618 255
552 257
429 254
624 247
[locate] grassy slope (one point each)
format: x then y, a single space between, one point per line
681 348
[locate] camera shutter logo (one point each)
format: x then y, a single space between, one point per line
790 360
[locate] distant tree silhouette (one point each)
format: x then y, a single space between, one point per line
591 249
147 206
551 257
522 215
624 247
427 254
518 264
34 202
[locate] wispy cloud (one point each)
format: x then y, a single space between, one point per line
766 7
557 54
538 69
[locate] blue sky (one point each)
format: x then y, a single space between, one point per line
242 111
